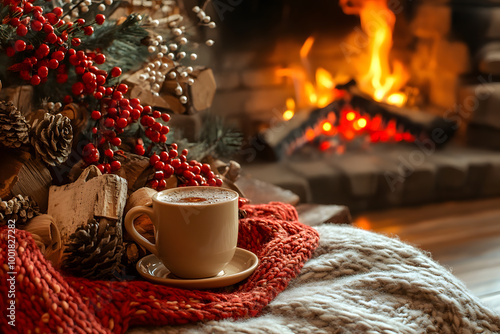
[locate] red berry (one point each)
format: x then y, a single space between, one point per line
159 165
188 174
116 141
117 95
100 79
155 137
76 41
176 163
100 59
218 182
80 22
165 117
109 153
58 11
35 80
98 95
163 138
162 184
112 112
115 165
90 153
53 64
139 149
96 114
205 168
121 122
14 21
36 25
168 170
51 38
89 78
43 71
184 152
135 114
122 88
150 121
80 70
154 158
159 175
99 19
172 153
125 113
116 71
73 60
94 130
135 102
164 129
154 184
156 114
20 45
102 168
109 122
157 126
164 156
21 30
47 28
77 88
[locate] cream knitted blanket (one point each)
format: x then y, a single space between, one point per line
363 282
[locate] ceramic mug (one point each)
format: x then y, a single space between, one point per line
196 229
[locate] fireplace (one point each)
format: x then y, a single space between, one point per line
292 58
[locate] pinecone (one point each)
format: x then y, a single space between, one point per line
52 138
18 208
14 130
94 251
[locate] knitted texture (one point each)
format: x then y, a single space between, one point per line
48 302
362 282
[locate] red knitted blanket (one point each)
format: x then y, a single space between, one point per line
37 296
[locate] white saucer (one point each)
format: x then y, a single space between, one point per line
241 266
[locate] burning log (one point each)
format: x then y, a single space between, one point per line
362 112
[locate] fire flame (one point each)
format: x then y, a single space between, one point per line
380 81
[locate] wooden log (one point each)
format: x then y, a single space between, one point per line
317 214
92 195
34 180
11 163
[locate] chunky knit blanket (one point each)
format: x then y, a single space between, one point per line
36 298
362 282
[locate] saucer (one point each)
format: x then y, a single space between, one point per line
240 267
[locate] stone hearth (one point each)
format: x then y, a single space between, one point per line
385 176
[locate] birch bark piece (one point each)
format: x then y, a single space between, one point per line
92 195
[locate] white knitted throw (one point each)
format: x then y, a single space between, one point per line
362 282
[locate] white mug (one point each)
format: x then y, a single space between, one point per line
196 229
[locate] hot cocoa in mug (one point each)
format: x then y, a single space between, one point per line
196 229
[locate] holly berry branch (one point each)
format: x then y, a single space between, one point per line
42 44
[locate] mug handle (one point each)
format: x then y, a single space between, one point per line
131 215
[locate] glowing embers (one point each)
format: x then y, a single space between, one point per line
333 132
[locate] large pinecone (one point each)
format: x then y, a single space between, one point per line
94 251
14 130
52 138
18 208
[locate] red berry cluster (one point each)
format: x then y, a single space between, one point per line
188 173
117 113
44 41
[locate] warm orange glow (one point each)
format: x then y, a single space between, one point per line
363 223
350 116
306 47
397 99
290 109
327 126
380 78
311 93
361 123
288 115
310 134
